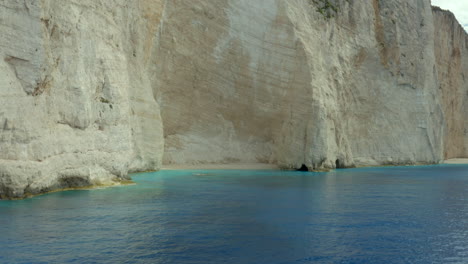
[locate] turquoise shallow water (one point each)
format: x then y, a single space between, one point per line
371 215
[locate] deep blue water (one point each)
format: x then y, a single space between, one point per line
371 215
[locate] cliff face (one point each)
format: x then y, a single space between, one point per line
91 90
77 107
278 81
451 50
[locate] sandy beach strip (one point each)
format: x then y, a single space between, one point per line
256 166
456 161
230 166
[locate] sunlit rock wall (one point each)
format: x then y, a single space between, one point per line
277 81
234 81
76 104
451 50
91 90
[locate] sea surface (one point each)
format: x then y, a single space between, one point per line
370 215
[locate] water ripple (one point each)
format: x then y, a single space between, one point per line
372 215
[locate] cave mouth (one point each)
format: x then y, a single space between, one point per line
338 164
303 168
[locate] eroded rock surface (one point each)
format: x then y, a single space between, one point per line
77 107
91 90
277 81
451 50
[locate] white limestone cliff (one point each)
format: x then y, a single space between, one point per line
91 90
451 50
276 81
76 104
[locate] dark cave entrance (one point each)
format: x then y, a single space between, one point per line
303 168
338 164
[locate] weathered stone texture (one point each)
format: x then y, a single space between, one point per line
93 89
451 50
277 81
75 93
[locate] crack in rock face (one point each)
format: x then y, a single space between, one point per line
24 72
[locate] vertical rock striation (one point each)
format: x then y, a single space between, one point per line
451 51
278 81
77 108
92 90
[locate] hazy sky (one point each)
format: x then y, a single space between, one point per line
458 7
